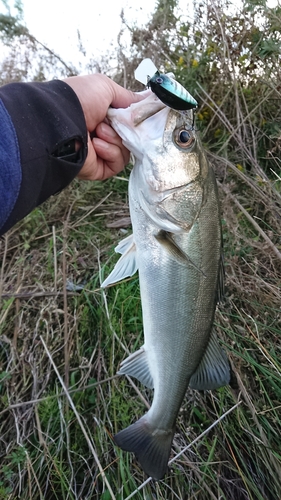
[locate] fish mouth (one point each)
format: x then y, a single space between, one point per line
152 105
146 108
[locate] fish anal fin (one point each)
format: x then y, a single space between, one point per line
126 266
151 446
214 369
136 365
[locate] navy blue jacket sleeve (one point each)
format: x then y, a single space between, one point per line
39 125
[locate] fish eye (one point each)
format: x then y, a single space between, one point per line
183 138
159 80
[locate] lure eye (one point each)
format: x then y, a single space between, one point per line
159 80
183 138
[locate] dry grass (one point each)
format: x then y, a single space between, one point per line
60 349
60 401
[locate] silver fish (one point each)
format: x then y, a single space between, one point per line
176 247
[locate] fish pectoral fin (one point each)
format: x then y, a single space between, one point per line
214 369
126 265
166 239
136 365
151 446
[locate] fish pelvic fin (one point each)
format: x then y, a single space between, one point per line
214 370
136 365
126 265
151 446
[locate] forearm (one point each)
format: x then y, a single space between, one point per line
37 121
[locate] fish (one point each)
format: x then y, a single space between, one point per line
167 89
176 246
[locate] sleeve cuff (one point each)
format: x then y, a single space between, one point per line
46 116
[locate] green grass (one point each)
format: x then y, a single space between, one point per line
54 342
45 453
59 447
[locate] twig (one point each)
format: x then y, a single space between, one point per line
53 54
6 311
55 257
79 420
56 396
5 240
78 222
66 339
205 432
240 174
188 446
138 392
36 295
234 134
252 221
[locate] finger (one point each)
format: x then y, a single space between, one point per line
96 93
111 158
108 134
89 171
122 98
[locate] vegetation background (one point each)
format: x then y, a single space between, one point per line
62 337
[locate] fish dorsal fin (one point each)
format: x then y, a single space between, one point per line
221 277
136 365
214 369
126 265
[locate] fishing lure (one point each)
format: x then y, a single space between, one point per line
167 89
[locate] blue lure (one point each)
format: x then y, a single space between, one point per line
170 92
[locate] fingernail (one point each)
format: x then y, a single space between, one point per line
108 130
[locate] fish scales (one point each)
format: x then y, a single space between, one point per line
176 247
189 325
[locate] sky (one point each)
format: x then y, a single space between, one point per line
55 23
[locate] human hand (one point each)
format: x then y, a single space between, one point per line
107 156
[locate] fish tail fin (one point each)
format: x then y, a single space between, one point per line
151 446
